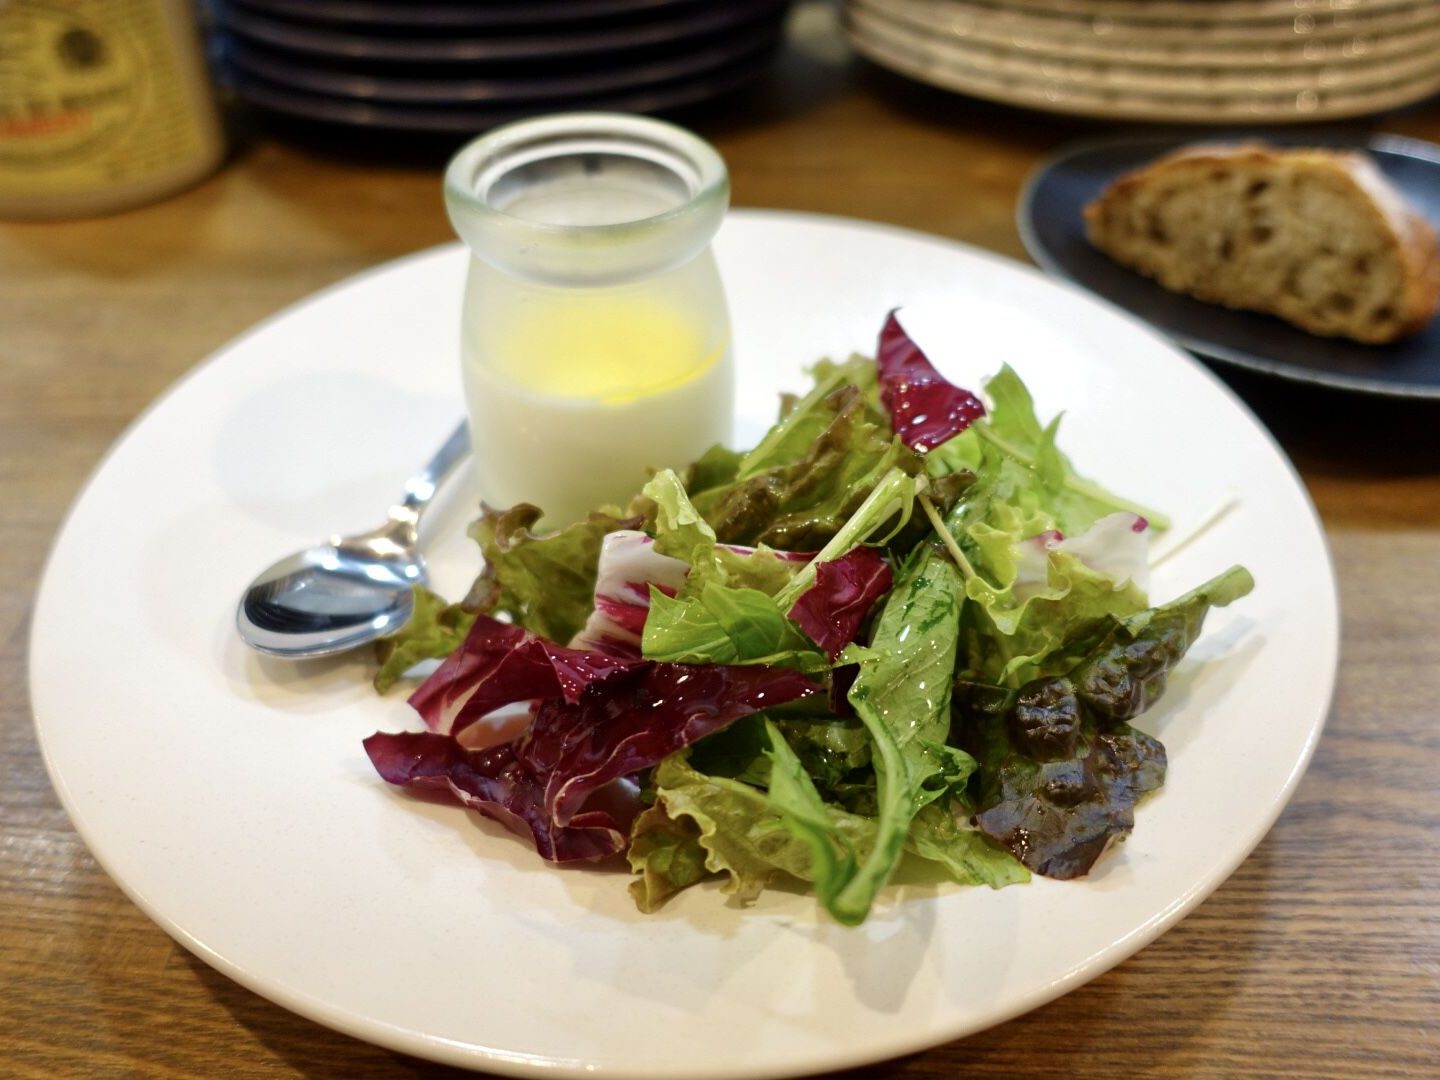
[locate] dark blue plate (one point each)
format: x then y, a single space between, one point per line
414 120
506 87
1052 227
560 41
456 14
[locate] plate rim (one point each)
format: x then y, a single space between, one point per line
439 1049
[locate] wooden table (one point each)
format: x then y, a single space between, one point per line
1320 957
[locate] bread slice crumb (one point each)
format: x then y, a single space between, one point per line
1317 237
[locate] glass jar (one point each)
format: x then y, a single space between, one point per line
595 335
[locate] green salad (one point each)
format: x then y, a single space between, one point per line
900 627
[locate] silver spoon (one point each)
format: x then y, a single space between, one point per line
351 589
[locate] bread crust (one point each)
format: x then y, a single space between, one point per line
1411 238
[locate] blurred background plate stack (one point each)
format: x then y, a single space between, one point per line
1199 61
460 66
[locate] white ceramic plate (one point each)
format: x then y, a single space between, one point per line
1146 61
1015 77
1195 21
230 797
1198 11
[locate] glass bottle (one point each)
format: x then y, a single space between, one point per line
595 335
104 105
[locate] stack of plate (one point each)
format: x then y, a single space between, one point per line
459 66
1206 61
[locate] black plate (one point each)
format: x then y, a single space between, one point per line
561 39
1053 230
503 88
413 15
417 121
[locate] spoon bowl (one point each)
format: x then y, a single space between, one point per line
350 590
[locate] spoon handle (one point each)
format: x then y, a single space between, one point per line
421 487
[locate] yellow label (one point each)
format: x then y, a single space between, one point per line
92 94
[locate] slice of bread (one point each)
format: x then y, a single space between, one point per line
1317 237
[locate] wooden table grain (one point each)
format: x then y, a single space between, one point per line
1320 957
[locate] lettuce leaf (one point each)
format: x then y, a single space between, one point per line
545 582
559 779
736 826
834 856
727 826
725 626
1013 433
926 409
666 852
1125 672
1061 769
434 631
798 503
499 664
682 533
1026 490
1011 638
832 611
793 437
941 833
902 696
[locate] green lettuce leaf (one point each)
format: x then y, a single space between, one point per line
1061 768
831 749
434 631
682 533
725 626
714 468
1125 671
1012 431
667 855
1009 640
811 472
833 855
737 828
544 581
902 695
941 834
1024 487
791 438
679 529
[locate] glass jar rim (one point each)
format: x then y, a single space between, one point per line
523 141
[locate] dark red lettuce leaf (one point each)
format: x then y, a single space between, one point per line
558 779
638 721
501 786
500 664
1059 816
832 610
925 408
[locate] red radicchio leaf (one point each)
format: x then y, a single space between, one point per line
643 720
502 787
925 408
499 664
832 610
557 780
